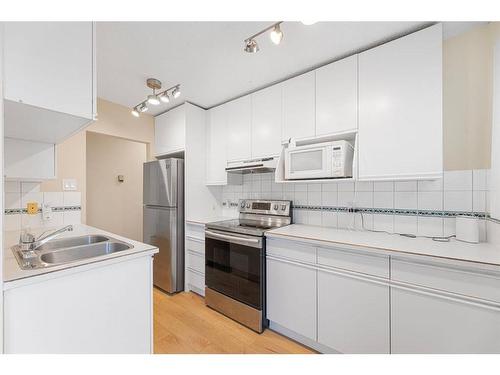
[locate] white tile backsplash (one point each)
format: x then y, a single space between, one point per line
12 187
30 187
72 198
13 200
456 191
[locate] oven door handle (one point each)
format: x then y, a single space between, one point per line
226 237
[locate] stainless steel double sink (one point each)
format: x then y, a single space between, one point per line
68 250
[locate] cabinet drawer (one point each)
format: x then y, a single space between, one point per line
196 282
195 230
291 250
195 261
376 265
450 279
195 245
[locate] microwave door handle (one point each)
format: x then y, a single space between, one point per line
226 237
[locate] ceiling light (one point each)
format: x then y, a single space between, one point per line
308 23
176 93
276 35
251 46
153 99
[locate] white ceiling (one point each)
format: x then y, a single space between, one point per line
208 60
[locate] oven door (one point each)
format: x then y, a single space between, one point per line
308 162
234 266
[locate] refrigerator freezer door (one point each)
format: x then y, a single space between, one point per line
162 229
160 183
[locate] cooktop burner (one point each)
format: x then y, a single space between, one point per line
256 217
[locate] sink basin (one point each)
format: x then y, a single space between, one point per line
83 252
67 250
62 243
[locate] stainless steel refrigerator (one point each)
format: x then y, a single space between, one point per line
164 221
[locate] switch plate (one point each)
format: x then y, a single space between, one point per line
69 184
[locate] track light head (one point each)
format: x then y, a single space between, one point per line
164 97
251 46
276 35
153 99
135 112
143 107
176 93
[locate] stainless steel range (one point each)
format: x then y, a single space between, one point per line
235 264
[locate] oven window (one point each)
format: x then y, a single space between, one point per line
234 270
306 161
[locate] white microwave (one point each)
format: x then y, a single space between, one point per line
321 160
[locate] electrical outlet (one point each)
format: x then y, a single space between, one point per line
32 208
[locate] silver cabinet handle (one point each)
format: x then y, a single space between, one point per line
227 237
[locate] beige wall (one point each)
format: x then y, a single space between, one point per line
467 98
112 205
113 119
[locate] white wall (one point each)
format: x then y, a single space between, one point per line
1 184
495 138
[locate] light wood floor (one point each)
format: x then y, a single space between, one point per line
183 324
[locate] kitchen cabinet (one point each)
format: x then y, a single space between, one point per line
49 79
291 297
216 146
400 108
299 107
170 131
266 121
29 161
239 127
353 314
337 96
195 258
427 323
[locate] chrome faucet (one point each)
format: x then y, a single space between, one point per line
28 242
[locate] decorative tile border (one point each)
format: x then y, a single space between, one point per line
394 211
20 211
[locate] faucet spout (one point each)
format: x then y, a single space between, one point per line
30 243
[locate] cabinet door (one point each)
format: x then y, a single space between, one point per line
266 121
431 324
170 131
337 96
353 315
216 147
50 65
298 107
400 108
239 113
291 297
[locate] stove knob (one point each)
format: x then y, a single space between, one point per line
283 207
243 204
275 207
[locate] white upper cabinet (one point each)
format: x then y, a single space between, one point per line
400 108
49 79
298 107
239 127
216 146
170 131
337 96
266 121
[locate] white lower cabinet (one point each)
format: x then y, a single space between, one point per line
195 258
291 297
353 314
423 323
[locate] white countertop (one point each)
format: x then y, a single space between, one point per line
482 253
12 271
208 219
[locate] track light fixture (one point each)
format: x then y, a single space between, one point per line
154 98
276 35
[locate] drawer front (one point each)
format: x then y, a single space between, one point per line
376 265
196 245
195 261
291 250
196 282
195 230
448 279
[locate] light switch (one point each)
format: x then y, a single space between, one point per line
69 184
